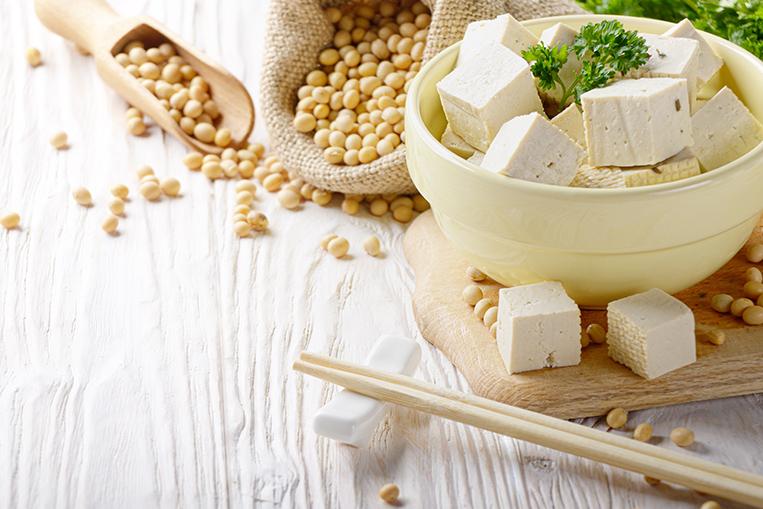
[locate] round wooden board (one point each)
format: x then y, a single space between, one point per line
598 384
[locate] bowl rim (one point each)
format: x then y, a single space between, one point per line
739 165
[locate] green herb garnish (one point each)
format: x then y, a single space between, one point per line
739 21
603 48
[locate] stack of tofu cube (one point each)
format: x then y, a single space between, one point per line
644 128
539 327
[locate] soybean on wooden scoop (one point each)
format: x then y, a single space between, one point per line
95 26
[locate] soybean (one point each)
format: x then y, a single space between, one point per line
33 56
82 196
338 247
716 337
617 417
10 220
371 245
739 305
597 333
722 302
170 186
643 432
481 307
116 205
389 493
491 316
475 274
59 140
682 437
753 315
120 191
110 223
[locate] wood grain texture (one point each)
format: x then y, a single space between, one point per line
153 369
598 383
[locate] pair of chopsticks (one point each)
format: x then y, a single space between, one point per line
629 454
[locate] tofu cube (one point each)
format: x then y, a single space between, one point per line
680 166
671 57
503 30
724 130
538 327
486 92
598 177
570 121
557 35
636 122
651 332
709 62
477 158
456 144
530 148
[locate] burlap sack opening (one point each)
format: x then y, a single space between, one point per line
298 30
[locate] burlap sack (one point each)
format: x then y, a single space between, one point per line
298 30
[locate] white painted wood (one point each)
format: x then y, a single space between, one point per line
152 368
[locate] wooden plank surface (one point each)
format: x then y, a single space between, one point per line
153 368
598 383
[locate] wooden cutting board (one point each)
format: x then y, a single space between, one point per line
598 384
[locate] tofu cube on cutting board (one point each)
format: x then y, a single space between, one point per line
538 327
490 89
529 147
709 62
651 332
504 30
637 122
724 130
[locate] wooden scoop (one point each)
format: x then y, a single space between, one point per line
93 25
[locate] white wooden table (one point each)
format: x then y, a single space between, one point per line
153 368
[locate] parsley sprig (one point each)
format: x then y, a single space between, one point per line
739 21
603 48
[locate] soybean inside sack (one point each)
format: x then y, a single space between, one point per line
298 30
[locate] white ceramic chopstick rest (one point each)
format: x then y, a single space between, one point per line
351 417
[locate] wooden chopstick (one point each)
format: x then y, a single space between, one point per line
542 430
534 417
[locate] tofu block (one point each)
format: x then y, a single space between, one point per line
680 166
698 105
557 35
456 144
598 177
503 30
538 327
724 130
530 148
480 96
709 62
652 333
637 122
570 121
477 158
670 57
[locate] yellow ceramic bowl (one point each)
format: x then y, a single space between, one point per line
601 244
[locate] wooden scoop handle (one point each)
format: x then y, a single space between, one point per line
82 21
